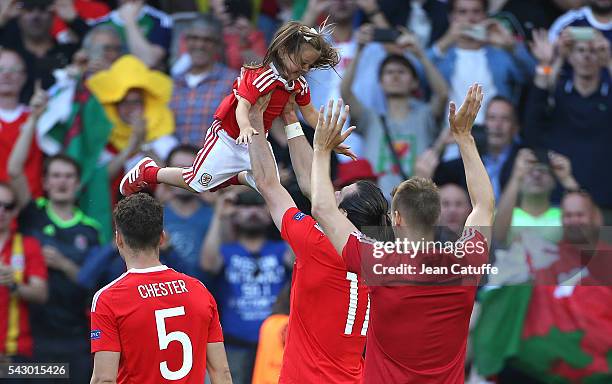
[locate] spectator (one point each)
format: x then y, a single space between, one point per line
198 93
408 129
477 49
66 235
23 280
13 117
135 99
455 207
574 118
69 24
501 128
596 14
102 47
186 216
244 44
532 177
252 271
30 35
146 31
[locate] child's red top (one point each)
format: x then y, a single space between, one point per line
254 83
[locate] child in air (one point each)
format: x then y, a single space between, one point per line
295 49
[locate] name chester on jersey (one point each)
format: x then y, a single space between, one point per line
162 289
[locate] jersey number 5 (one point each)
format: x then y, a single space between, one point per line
166 338
352 308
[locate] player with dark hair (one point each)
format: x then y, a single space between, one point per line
153 324
419 323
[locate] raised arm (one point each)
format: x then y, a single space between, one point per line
299 149
21 149
328 135
263 166
478 182
138 45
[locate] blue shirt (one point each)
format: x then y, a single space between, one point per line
186 236
494 166
249 287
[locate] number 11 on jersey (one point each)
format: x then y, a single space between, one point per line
352 308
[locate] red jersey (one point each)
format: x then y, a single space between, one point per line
9 132
25 256
253 83
418 333
160 320
329 309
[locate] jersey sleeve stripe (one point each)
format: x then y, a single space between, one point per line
97 295
261 78
266 85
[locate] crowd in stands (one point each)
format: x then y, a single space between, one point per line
88 87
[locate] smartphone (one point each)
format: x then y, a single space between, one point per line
541 155
477 32
582 33
385 35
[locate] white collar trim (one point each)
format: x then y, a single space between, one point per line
157 268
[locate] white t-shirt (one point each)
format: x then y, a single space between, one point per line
472 67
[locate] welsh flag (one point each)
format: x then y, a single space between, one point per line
557 333
75 123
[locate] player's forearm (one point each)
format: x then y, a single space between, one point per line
262 160
301 160
323 198
220 376
478 182
311 115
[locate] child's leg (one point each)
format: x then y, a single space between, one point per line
173 176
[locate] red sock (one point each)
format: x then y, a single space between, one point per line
150 175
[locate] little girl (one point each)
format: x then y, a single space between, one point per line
294 51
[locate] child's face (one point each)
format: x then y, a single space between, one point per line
298 66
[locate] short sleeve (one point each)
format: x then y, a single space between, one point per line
356 245
215 333
104 331
474 246
297 230
252 85
34 261
302 98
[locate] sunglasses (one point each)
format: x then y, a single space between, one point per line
8 206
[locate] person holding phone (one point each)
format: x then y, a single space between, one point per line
596 15
477 49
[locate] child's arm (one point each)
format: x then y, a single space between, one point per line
311 115
242 118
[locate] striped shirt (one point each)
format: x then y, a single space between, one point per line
194 108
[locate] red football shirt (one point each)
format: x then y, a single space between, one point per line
160 320
15 335
253 83
329 309
418 333
9 132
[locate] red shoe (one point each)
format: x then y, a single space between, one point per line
133 181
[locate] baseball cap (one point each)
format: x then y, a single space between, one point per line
352 171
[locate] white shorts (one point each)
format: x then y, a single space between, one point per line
219 160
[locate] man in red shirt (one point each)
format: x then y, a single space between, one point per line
419 319
14 115
23 280
153 324
329 312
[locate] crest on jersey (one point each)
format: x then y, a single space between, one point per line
298 216
80 242
205 179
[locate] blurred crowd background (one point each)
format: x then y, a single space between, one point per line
87 88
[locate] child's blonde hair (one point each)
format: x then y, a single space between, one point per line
290 39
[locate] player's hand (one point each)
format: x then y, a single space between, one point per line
328 133
257 110
246 135
461 122
345 150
